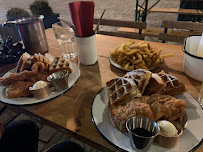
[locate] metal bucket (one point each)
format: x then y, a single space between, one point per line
31 31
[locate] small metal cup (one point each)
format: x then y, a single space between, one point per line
138 142
59 80
41 92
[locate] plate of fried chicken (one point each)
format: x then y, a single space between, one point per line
158 96
14 85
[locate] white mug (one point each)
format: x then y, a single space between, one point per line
87 49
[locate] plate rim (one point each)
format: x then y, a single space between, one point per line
119 148
60 94
98 128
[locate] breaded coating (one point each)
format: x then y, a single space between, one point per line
154 107
18 84
121 114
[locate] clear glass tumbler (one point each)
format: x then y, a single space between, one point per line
67 43
200 98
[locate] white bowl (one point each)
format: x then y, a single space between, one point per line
192 64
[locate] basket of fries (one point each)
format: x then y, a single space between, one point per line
130 56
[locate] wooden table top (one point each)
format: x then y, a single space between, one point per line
73 110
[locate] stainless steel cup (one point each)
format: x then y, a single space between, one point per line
31 31
141 141
41 92
59 80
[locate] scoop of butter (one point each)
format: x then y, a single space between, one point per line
39 84
167 128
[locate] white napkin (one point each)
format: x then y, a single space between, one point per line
200 47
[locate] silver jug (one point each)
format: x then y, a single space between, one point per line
31 31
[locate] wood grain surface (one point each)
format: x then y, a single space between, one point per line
73 109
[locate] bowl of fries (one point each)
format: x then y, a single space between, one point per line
130 56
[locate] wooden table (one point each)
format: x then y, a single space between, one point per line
73 110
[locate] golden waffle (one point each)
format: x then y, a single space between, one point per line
173 84
121 90
141 78
155 85
60 64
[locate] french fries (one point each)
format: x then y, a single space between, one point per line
133 56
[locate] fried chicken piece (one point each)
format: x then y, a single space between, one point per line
159 97
168 107
144 99
174 109
157 108
23 76
142 109
154 107
42 76
19 89
18 84
121 114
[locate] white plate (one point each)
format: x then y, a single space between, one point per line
114 63
31 100
189 140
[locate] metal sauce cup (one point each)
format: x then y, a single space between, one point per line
141 141
59 80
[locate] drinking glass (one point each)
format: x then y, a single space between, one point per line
200 98
67 42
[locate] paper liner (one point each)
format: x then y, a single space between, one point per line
169 142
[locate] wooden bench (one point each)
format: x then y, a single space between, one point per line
188 26
176 11
143 12
117 23
154 31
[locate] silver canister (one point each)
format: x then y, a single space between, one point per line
31 31
141 131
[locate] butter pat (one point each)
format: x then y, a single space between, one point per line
39 84
200 47
167 128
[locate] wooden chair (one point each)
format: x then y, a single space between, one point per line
188 29
118 23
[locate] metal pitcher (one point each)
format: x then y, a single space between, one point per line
31 31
